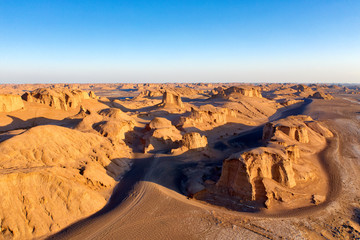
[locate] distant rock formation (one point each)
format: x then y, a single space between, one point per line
194 140
93 95
161 135
9 103
205 118
171 99
56 97
237 92
321 95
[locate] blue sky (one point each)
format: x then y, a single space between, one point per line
179 41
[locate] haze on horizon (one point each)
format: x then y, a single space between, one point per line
179 41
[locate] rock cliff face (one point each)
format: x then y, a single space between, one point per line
204 119
243 173
267 174
161 135
171 99
295 128
321 95
238 92
56 97
9 103
194 140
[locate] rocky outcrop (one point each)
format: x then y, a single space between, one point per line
93 95
171 99
161 135
56 97
205 119
321 95
238 92
52 176
9 103
243 173
114 129
267 174
294 127
194 140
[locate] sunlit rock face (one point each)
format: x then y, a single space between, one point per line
59 98
321 95
194 140
171 99
238 91
243 173
270 173
295 128
161 135
9 103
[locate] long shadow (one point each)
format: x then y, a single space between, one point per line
253 137
18 123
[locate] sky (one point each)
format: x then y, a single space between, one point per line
143 41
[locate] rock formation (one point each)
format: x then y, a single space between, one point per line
194 140
114 129
171 99
93 95
161 135
204 119
9 103
294 127
238 92
321 95
56 97
267 174
243 173
54 177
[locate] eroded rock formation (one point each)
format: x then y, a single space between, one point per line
268 174
171 99
321 95
53 178
161 135
9 103
237 92
56 97
194 140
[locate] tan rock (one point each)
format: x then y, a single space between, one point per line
9 103
243 173
194 140
57 97
161 135
293 127
321 95
238 92
171 99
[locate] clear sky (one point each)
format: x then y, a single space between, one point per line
179 41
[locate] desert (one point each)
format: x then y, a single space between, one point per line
179 119
179 161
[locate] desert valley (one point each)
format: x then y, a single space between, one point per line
179 161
